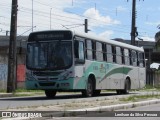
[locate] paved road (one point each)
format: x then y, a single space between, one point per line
17 102
102 116
6 103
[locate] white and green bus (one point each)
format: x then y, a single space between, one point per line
64 60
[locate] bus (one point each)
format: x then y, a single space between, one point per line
65 60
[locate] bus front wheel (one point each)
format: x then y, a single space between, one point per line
50 93
88 92
126 88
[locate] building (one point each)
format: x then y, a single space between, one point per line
4 50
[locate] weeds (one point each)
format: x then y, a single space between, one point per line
137 98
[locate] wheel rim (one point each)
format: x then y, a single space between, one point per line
89 88
127 87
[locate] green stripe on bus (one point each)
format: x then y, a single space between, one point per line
122 70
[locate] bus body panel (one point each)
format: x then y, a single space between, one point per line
107 75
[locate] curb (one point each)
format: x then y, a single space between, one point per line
2 95
88 111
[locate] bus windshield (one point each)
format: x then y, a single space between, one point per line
55 55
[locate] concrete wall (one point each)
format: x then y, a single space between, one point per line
4 70
21 46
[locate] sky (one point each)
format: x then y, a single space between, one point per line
107 18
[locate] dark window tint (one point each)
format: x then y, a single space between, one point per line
134 57
89 49
126 57
114 53
118 55
109 53
99 52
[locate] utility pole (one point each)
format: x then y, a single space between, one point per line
86 26
12 58
133 28
134 32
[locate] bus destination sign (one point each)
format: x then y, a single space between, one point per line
50 35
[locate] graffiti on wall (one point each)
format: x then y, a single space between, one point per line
3 71
21 73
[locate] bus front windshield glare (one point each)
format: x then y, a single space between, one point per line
49 55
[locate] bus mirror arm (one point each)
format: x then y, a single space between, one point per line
79 61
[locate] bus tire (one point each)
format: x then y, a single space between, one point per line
50 93
126 86
88 92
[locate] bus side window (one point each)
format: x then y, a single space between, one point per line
109 53
99 51
130 58
76 49
89 50
114 53
79 51
126 54
122 51
118 55
134 58
141 59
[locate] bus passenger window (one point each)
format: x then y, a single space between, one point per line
122 51
79 51
99 51
118 55
114 53
126 59
134 58
89 49
109 53
76 49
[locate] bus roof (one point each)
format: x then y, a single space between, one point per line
100 39
105 40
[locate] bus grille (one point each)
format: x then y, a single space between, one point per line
47 79
47 84
39 73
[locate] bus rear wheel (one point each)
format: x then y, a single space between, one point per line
50 93
88 92
127 86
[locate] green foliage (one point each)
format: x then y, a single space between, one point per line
148 87
25 90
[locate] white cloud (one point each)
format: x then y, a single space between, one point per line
121 8
106 34
97 19
153 23
41 15
146 38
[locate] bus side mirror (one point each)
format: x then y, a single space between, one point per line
79 61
